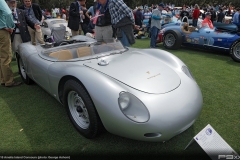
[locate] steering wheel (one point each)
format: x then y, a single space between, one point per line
184 18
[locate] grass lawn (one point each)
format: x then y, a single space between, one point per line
34 123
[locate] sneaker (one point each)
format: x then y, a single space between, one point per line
15 84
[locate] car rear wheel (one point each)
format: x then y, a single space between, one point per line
235 51
172 39
22 71
81 109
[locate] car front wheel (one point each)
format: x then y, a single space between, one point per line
81 109
235 51
172 39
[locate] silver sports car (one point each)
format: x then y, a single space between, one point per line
141 94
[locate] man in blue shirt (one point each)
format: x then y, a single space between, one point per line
235 16
92 10
155 24
6 28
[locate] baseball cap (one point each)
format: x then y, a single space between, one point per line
208 14
161 4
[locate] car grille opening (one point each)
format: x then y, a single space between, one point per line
152 135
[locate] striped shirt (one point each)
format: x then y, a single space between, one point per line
118 10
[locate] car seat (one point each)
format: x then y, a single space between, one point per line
62 55
84 51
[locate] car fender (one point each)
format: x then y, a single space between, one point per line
26 50
103 95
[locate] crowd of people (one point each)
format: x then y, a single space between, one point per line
104 21
106 18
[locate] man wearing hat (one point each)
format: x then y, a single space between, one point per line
155 24
6 28
207 21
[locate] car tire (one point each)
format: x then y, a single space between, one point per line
22 72
235 51
81 109
172 39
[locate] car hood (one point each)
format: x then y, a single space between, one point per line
140 71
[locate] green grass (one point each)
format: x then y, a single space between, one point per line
34 123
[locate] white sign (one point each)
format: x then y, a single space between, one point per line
214 145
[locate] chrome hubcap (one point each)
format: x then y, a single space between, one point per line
169 40
78 110
236 51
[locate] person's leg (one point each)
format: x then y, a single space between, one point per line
154 33
5 58
74 33
84 28
80 29
124 40
39 37
98 34
107 33
195 22
32 34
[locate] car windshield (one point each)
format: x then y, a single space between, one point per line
81 51
106 47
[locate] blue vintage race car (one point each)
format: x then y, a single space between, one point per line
223 37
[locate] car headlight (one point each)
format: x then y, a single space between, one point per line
187 72
133 108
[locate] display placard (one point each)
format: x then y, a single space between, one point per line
214 145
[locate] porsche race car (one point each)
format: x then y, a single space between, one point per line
141 94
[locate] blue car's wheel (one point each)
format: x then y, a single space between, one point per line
172 39
235 51
81 109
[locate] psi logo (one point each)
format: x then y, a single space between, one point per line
228 157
